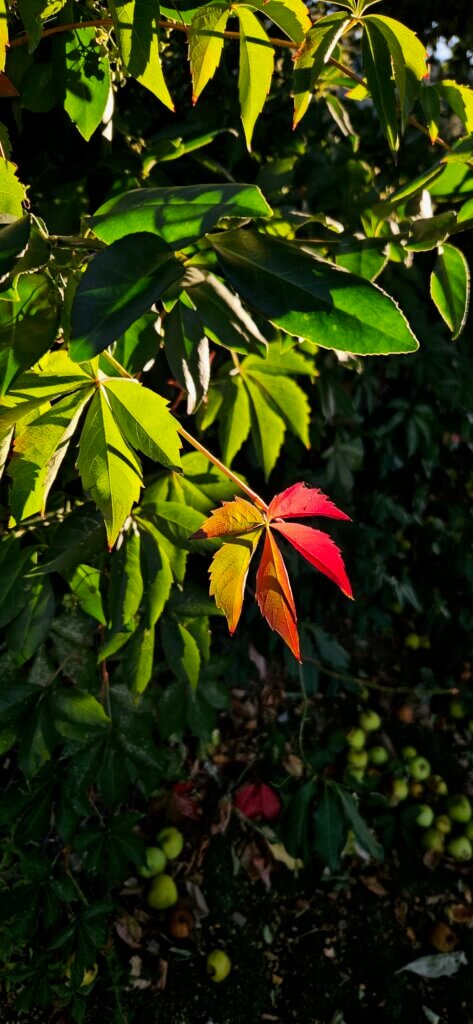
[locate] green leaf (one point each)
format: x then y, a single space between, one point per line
187 352
312 57
267 427
181 651
157 575
6 438
139 659
284 396
14 565
179 215
32 626
3 33
309 298
84 582
13 242
256 69
108 467
28 326
138 345
450 287
78 708
297 825
358 824
408 56
118 286
460 99
362 256
125 592
87 80
33 13
291 16
136 25
235 421
39 452
37 742
79 536
206 44
330 827
144 420
178 523
12 192
55 375
225 319
428 232
430 103
377 68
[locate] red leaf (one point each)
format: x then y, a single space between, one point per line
238 516
301 500
319 549
257 800
274 595
7 88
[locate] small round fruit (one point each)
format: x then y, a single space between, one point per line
409 753
416 790
155 862
219 965
438 785
162 892
459 808
424 816
419 769
412 641
378 755
456 708
469 830
399 791
443 824
364 693
460 848
356 739
171 840
357 758
369 720
356 774
433 840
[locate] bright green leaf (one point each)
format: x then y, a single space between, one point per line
311 58
377 68
87 80
136 25
12 192
256 69
206 44
144 420
450 287
84 582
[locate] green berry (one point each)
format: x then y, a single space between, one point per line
155 862
219 965
459 808
438 785
399 791
433 840
171 840
378 755
419 769
409 753
356 739
460 848
357 774
369 720
457 708
443 824
424 816
357 758
162 892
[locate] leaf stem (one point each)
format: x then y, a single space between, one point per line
223 468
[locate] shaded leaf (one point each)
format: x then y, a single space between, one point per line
32 626
87 80
377 68
330 828
181 651
312 56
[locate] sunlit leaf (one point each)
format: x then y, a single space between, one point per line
274 595
228 573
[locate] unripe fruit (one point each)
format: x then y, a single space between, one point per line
219 965
162 892
459 808
469 831
424 816
378 755
357 758
369 720
399 791
438 785
357 774
155 862
356 739
171 840
419 769
412 641
416 790
433 840
364 693
457 708
443 824
409 753
460 848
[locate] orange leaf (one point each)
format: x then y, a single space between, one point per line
319 549
274 595
228 573
235 517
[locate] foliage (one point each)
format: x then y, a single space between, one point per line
153 263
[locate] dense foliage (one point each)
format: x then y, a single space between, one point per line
214 278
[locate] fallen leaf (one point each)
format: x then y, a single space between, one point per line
439 965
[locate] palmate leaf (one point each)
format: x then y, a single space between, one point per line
291 16
244 524
256 69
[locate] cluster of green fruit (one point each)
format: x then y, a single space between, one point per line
411 777
162 892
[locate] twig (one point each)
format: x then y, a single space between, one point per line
223 468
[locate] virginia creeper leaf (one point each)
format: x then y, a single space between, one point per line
238 516
206 44
287 399
235 423
309 298
136 24
157 576
312 56
3 33
450 287
181 650
28 326
319 549
39 452
255 71
13 242
290 15
460 98
32 626
87 80
84 581
108 467
228 573
274 595
377 68
301 500
267 426
144 420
